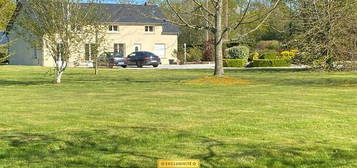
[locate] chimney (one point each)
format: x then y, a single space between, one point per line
148 3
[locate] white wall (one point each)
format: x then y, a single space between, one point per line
22 53
128 35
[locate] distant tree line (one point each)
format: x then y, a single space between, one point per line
323 31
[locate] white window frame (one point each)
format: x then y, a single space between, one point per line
147 29
111 28
35 54
90 49
118 48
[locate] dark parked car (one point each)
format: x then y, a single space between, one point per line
142 58
113 59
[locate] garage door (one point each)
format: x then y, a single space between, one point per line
160 50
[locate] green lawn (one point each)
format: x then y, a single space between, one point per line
131 118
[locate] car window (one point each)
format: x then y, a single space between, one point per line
117 55
149 54
109 54
139 54
131 55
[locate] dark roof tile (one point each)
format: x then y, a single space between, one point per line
135 14
138 14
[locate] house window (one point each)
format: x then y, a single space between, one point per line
149 29
34 53
90 51
119 48
113 28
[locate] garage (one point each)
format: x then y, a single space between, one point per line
159 50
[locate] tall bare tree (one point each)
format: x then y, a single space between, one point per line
213 15
326 32
59 26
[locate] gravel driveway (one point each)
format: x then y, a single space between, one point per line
187 66
211 66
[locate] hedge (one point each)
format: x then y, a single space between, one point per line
271 63
234 63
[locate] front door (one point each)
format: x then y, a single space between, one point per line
119 49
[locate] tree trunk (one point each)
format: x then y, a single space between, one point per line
96 53
207 24
58 76
96 66
219 72
226 19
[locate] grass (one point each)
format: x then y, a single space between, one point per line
131 118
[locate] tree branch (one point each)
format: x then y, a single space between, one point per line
264 20
243 17
185 22
204 8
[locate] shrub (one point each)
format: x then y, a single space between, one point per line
179 55
270 54
287 54
234 62
239 52
3 54
254 55
194 54
271 63
208 51
270 44
295 51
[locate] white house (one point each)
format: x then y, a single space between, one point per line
128 30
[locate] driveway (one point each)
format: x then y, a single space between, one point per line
211 66
187 66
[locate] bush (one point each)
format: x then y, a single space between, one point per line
287 54
194 54
271 63
208 53
179 55
234 62
270 44
3 54
270 54
239 52
253 56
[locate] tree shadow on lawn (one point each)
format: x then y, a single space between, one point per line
135 80
103 148
252 155
270 70
307 78
23 83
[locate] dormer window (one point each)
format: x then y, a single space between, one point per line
149 29
113 28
